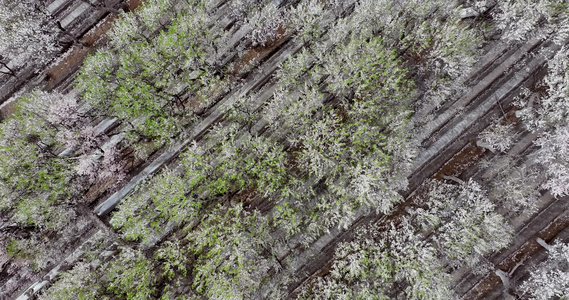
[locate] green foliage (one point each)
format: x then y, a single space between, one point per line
339 123
228 246
32 178
31 250
175 259
131 275
288 218
168 194
263 164
371 266
197 167
39 212
241 161
560 9
14 248
98 68
133 79
133 218
365 65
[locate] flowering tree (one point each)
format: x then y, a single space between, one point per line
460 225
26 35
463 221
350 146
518 18
549 279
78 283
554 155
306 19
38 185
31 173
552 109
497 137
517 187
263 19
376 265
548 114
339 121
68 122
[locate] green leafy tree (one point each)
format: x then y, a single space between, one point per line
230 249
33 179
131 275
132 79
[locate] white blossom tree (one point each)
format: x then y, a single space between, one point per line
497 137
68 122
516 188
464 223
548 115
549 279
554 155
26 35
78 283
519 18
552 109
32 177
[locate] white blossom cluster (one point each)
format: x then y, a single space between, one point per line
550 279
26 35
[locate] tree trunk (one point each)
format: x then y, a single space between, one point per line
544 244
10 71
